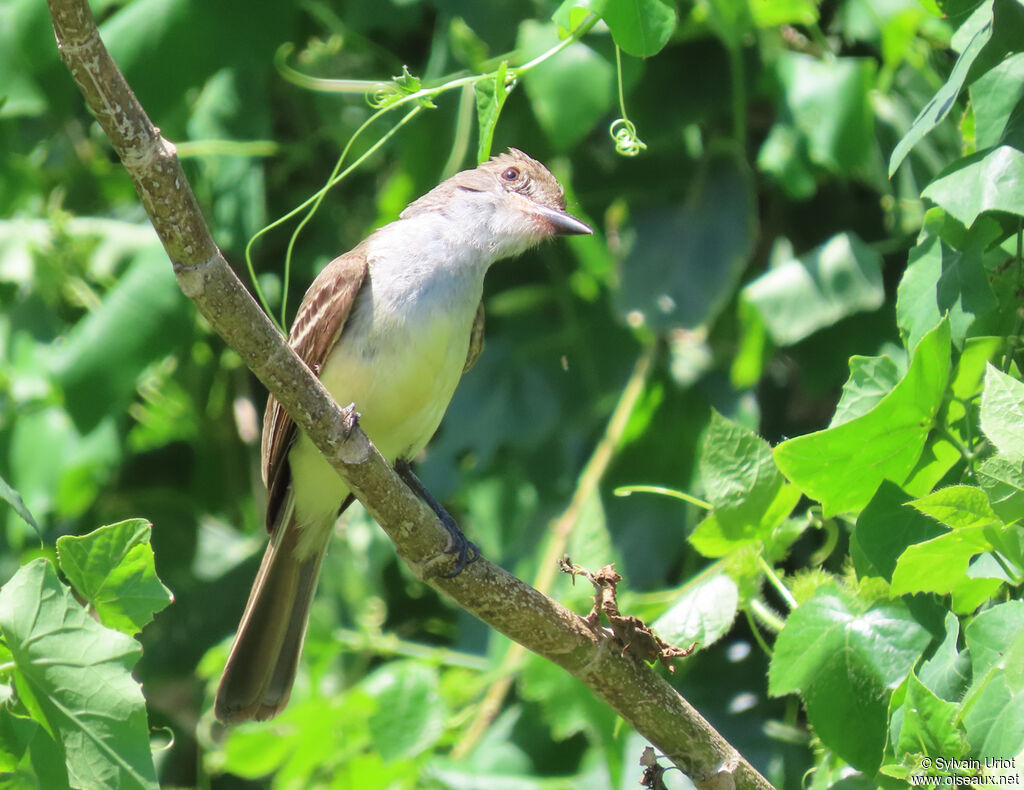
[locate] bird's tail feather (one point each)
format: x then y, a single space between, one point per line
261 667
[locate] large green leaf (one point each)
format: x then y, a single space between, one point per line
796 298
1002 479
112 569
142 318
941 280
940 564
845 661
938 108
1002 413
957 507
687 259
990 180
948 671
996 97
871 379
829 102
994 703
410 714
490 98
843 466
57 468
13 498
926 725
79 675
885 527
640 27
994 29
29 758
703 613
739 474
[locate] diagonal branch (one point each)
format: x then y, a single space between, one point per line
522 613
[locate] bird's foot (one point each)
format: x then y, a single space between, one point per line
464 550
350 419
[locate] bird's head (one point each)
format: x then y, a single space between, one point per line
510 202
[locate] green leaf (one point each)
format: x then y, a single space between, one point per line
780 12
570 92
884 530
938 457
829 102
28 752
970 368
783 156
938 108
958 507
57 468
841 277
845 661
569 706
410 716
1002 413
13 498
843 466
739 474
703 613
490 98
571 13
990 180
940 565
871 379
142 318
942 281
685 263
1002 480
112 569
774 532
994 704
995 98
80 674
931 726
948 671
749 360
639 27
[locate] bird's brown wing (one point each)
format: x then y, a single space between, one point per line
476 338
318 323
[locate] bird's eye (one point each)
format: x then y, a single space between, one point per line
511 174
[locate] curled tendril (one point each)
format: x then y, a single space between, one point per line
401 85
627 142
384 95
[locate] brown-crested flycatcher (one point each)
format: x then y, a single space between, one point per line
389 326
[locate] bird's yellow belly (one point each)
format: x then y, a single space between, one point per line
401 394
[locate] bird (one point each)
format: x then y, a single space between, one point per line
390 327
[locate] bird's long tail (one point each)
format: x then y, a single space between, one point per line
258 678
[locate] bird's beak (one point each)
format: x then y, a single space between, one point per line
562 223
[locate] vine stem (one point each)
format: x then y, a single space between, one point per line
776 582
664 491
422 98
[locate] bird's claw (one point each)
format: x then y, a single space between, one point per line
459 545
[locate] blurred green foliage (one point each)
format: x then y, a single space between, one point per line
821 240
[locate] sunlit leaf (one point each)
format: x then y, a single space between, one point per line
80 675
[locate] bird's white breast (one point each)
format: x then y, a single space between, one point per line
399 357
